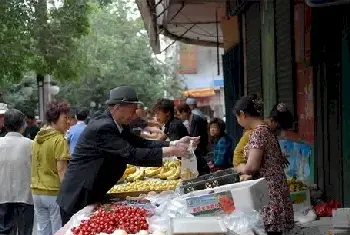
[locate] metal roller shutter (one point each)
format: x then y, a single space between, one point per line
233 85
253 49
284 55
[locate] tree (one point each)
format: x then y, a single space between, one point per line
41 36
116 52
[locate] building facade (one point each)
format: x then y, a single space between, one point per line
201 70
290 51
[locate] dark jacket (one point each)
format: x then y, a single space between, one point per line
175 129
100 159
199 127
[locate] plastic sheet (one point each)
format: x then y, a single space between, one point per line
240 222
189 165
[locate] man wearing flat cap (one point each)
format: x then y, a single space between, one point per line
104 149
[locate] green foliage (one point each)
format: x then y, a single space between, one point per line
42 36
116 52
15 40
88 48
17 99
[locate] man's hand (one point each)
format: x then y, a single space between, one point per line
240 168
187 140
245 177
180 150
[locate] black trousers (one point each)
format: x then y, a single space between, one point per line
16 218
274 233
65 217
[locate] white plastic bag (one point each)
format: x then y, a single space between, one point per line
244 222
189 165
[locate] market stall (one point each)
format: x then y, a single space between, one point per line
157 201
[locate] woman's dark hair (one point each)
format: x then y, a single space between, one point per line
282 115
250 105
165 105
14 120
54 109
30 116
220 123
82 114
184 108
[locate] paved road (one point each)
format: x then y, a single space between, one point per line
34 227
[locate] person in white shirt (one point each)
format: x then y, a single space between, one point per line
16 202
192 102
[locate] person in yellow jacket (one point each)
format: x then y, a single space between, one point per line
238 154
50 155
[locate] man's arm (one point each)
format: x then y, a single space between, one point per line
140 142
152 123
110 144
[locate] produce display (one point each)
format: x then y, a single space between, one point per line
295 185
171 170
107 219
145 185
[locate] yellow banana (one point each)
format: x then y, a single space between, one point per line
173 164
151 173
141 175
176 175
168 173
130 170
133 176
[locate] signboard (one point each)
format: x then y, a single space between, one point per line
211 204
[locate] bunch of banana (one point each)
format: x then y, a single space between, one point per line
170 172
138 175
130 169
295 185
173 163
152 171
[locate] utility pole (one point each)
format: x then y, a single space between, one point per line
41 34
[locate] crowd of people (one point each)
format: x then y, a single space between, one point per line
56 169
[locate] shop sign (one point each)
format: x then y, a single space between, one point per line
211 204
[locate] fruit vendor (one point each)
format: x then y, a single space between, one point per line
174 128
142 127
103 151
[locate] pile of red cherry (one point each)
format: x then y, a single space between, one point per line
107 219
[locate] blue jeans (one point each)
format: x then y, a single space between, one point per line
16 218
47 214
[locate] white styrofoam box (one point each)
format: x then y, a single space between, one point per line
301 200
197 225
247 195
339 232
341 218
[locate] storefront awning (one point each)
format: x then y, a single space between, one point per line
325 3
150 20
188 21
197 93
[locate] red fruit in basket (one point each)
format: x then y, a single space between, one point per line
108 219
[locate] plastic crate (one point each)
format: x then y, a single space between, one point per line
209 181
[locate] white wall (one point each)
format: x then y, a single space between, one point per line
206 69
